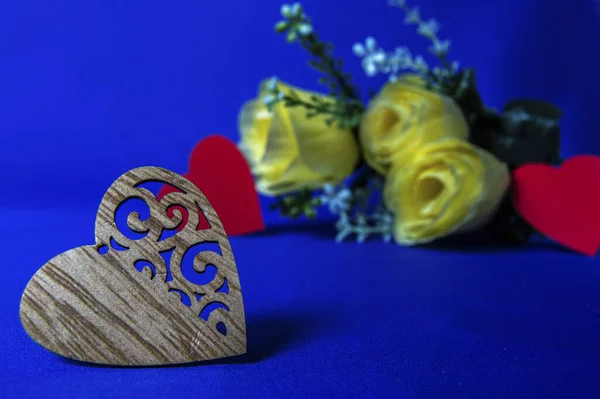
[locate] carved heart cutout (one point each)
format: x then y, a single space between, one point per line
119 302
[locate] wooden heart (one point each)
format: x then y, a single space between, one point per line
119 302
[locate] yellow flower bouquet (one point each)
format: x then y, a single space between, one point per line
422 159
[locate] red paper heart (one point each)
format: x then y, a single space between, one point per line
220 171
562 203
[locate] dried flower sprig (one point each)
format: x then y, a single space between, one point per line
363 226
354 217
376 60
348 107
428 29
294 205
346 114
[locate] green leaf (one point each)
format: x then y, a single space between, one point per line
465 87
292 36
310 212
295 212
508 225
518 138
293 95
281 26
537 108
318 65
464 91
355 120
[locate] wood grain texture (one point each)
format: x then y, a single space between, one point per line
119 302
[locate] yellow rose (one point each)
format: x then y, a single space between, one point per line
403 117
451 186
287 151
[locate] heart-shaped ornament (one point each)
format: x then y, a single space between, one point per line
229 186
125 300
562 203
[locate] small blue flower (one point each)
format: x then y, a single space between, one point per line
371 44
420 65
337 199
286 11
440 48
429 29
272 84
397 3
269 100
305 29
359 50
413 16
296 10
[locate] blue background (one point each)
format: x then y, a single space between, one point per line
90 89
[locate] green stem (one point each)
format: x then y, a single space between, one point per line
444 60
365 175
296 101
319 50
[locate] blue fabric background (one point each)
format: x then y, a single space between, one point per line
90 89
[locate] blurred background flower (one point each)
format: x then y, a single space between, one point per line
403 117
289 151
450 186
